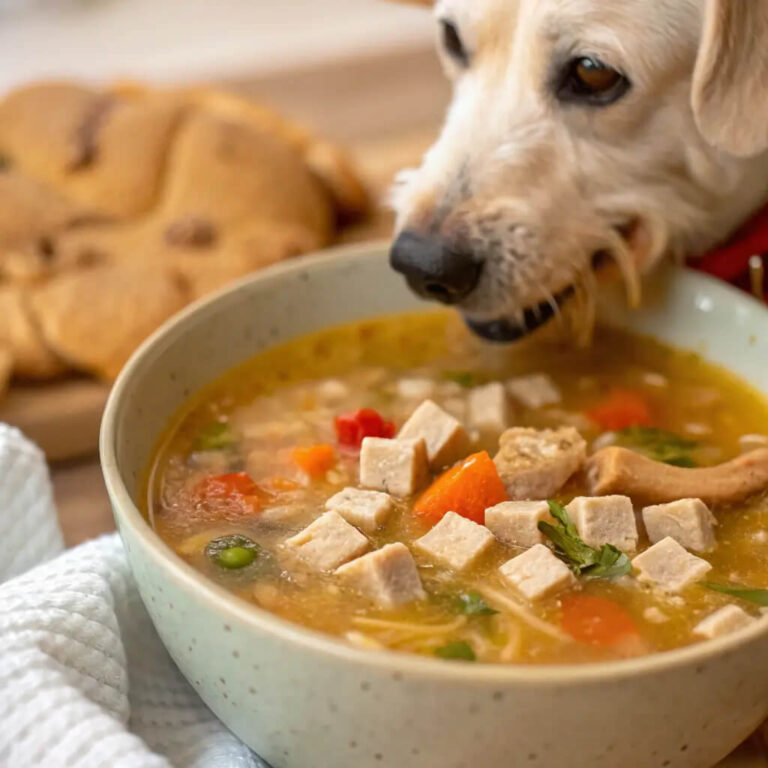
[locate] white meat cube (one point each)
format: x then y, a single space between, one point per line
537 573
398 466
536 463
669 566
534 391
605 520
328 542
365 509
455 542
723 622
415 389
388 576
488 408
517 522
688 521
445 438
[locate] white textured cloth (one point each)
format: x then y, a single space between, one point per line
84 679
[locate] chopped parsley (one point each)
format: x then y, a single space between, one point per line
660 445
216 436
473 604
604 563
465 379
756 596
458 650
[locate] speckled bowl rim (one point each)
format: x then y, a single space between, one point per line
247 615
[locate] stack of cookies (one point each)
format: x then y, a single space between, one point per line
119 207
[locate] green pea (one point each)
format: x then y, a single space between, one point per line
236 557
232 552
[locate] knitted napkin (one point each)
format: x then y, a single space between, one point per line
84 679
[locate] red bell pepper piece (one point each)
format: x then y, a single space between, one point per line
352 427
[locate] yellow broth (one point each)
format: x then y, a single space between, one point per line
282 399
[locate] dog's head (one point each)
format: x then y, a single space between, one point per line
582 134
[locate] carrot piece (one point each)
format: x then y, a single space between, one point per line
315 460
622 409
596 620
467 489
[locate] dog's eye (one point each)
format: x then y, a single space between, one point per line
587 79
453 43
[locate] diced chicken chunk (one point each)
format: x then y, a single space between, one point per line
455 542
534 391
723 622
328 542
488 408
365 509
669 567
415 389
688 521
537 573
388 576
535 464
605 520
399 467
446 440
517 522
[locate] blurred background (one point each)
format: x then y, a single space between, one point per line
360 73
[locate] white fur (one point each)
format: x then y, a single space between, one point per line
534 187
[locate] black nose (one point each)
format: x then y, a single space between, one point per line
433 270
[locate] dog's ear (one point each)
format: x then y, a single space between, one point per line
730 81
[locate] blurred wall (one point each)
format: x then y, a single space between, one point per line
176 40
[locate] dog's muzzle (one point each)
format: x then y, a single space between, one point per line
433 270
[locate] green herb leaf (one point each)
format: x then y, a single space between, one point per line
232 552
464 379
457 650
756 596
604 563
217 436
660 445
473 604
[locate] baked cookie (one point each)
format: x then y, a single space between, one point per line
132 197
80 312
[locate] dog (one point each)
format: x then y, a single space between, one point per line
585 138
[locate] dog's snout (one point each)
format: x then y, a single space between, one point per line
434 270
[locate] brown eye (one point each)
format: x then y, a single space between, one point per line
595 76
589 80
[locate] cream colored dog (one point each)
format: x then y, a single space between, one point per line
582 132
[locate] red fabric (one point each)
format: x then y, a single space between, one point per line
730 261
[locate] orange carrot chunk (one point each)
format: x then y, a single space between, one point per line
315 460
467 489
622 409
596 620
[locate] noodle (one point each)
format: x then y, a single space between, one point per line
523 614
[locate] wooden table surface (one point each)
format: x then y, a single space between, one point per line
386 109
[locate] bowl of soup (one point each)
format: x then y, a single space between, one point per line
368 538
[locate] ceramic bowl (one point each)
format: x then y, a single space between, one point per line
304 700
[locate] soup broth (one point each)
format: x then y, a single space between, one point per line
252 462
